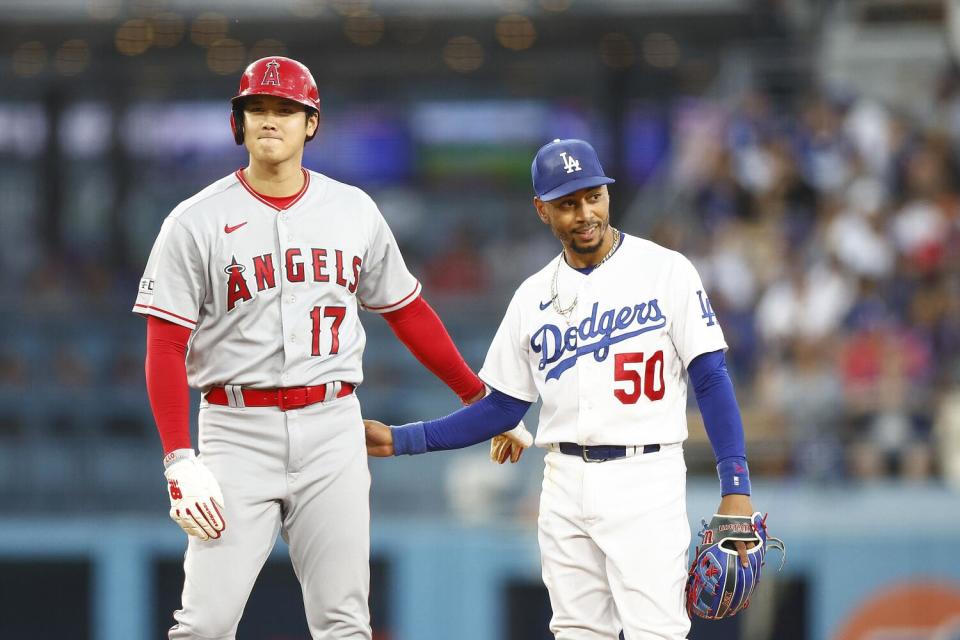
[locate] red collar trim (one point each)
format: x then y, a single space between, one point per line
267 199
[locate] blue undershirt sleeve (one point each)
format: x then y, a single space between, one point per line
480 421
721 417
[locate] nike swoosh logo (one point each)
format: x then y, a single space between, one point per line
544 305
228 229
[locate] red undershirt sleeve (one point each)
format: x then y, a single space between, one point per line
167 388
420 329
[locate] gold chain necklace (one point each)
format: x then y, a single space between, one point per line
554 294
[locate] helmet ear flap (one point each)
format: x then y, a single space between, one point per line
236 125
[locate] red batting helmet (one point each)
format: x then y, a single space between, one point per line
274 76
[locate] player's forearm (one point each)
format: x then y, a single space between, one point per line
722 420
166 375
480 421
419 328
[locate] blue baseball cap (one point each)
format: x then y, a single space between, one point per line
564 166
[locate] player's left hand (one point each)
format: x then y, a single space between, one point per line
510 444
735 504
379 439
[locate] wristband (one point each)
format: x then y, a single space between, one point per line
409 439
734 476
176 456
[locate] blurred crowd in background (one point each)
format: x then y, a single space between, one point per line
825 223
827 231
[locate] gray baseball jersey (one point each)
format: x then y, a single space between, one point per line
272 296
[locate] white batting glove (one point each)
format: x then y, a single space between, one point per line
510 444
196 502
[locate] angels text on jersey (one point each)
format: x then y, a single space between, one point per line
297 267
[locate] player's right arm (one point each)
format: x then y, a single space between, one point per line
166 375
170 295
478 422
196 502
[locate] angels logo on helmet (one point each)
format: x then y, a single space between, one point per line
272 74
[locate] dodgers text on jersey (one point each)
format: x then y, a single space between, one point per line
565 347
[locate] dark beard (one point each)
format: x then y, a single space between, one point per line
584 250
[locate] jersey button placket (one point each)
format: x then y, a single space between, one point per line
286 299
584 403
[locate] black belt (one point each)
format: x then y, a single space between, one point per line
604 452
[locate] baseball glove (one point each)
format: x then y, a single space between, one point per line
719 586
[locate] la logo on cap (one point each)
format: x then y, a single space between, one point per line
564 166
570 163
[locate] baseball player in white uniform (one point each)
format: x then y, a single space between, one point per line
252 293
605 334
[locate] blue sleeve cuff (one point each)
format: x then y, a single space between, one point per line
409 439
734 476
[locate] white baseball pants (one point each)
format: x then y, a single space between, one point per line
302 473
613 543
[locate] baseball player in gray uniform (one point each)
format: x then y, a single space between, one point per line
251 294
606 335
